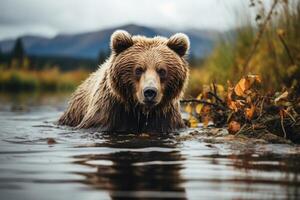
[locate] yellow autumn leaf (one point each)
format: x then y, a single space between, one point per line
241 87
220 89
249 112
245 83
199 96
188 108
234 127
199 108
233 106
193 122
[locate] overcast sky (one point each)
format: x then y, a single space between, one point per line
50 17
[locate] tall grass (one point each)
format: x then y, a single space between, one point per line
276 59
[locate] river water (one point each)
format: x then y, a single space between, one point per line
40 160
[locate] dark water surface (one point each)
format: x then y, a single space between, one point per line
90 165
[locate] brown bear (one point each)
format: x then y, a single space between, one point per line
137 89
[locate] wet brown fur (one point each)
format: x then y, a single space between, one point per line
106 99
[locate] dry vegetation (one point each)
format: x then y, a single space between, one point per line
266 104
267 46
244 109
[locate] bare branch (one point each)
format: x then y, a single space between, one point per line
259 35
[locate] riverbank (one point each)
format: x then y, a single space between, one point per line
52 79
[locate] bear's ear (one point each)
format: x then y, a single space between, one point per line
179 43
120 40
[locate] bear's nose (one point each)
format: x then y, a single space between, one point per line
150 94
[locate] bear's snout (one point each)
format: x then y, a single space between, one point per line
149 89
149 95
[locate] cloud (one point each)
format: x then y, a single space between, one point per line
49 17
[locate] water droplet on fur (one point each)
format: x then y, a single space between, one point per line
147 116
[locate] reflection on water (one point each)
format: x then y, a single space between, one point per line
88 165
136 169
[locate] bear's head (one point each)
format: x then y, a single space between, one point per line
148 71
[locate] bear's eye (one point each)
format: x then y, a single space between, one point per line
139 71
162 73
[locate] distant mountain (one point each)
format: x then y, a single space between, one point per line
89 45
